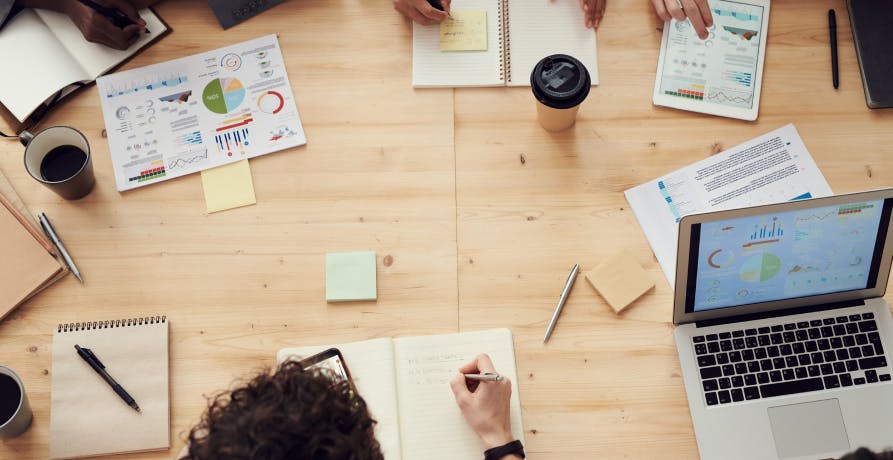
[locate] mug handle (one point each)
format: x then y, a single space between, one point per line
25 137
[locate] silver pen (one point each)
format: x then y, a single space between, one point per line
51 233
486 377
564 294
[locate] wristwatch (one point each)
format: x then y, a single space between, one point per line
515 447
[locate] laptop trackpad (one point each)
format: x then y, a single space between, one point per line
808 429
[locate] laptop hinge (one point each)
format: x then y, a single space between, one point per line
779 313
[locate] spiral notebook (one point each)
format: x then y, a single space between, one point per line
519 34
87 417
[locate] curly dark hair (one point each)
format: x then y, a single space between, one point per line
865 454
288 414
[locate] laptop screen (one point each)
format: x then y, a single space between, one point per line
787 255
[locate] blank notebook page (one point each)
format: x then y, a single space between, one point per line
432 67
432 427
539 28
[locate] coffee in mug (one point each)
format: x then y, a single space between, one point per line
59 158
15 412
559 83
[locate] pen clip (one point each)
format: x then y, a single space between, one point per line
93 357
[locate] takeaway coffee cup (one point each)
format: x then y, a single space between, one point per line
559 83
59 158
15 412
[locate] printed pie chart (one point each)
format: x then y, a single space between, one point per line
759 268
223 95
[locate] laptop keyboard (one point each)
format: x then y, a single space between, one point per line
790 358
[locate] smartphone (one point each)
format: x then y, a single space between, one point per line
330 362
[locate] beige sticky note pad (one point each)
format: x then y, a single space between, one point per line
620 280
465 30
228 186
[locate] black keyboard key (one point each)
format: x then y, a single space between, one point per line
711 337
803 324
855 352
760 353
737 333
786 350
849 341
775 376
874 337
725 345
791 361
789 337
775 338
827 331
836 343
700 349
750 379
800 372
855 317
798 348
839 329
724 397
778 363
846 380
867 350
738 344
772 351
871 363
790 326
843 355
740 368
710 385
763 330
878 349
750 332
728 370
867 315
747 355
777 328
751 393
824 344
861 339
804 360
725 335
734 356
852 328
840 319
867 326
802 335
852 365
787 374
816 358
814 333
737 381
766 365
763 377
754 366
815 323
763 340
713 347
812 346
711 399
722 358
737 395
871 376
724 382
750 342
792 387
839 367
830 356
859 380
698 339
711 372
831 381
826 369
813 370
827 321
884 377
704 361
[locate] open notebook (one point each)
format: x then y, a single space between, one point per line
519 34
87 417
46 53
405 382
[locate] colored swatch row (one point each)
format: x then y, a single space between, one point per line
148 174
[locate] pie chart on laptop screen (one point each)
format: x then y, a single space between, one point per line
223 95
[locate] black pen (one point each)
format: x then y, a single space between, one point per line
437 5
832 27
87 355
119 19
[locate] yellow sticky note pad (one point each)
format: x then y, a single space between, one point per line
465 30
228 186
620 280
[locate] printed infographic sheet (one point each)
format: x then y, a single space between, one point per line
722 68
182 116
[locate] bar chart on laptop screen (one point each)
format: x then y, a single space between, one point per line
786 255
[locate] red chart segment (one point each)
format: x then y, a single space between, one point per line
270 102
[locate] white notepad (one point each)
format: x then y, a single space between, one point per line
519 34
405 383
87 417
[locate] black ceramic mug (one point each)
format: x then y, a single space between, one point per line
59 158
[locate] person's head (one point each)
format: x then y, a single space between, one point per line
288 414
865 454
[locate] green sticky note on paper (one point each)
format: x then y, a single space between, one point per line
350 276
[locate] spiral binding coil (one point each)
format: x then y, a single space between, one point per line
108 324
505 43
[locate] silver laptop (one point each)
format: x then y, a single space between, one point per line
783 335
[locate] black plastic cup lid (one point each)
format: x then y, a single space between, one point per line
560 81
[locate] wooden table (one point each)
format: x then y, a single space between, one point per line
475 212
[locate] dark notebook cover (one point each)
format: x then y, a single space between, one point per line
872 23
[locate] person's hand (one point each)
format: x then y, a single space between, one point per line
593 12
485 405
97 28
421 11
697 11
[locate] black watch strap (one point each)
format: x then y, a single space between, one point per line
515 447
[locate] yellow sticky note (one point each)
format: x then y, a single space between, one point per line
465 30
228 186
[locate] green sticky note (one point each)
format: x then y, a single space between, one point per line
350 276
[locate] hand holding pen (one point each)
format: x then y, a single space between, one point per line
114 23
484 401
424 12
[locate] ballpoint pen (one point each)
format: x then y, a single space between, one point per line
564 294
87 355
832 28
485 377
438 6
51 233
116 16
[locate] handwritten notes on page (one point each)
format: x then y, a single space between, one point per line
464 30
